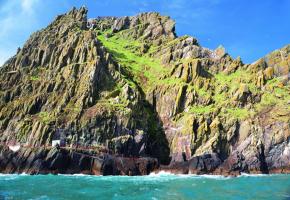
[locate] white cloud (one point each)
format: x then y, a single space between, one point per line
28 6
16 18
5 55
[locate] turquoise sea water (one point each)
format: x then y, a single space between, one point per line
158 186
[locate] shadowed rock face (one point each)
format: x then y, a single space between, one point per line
61 161
130 87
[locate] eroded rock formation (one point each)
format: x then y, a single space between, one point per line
128 89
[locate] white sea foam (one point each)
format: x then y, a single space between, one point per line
218 177
285 196
24 174
7 177
8 174
253 175
77 175
165 174
43 197
161 173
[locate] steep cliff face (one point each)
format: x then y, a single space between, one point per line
131 87
63 79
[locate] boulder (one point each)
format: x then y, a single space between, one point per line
206 163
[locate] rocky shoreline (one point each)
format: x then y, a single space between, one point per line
62 161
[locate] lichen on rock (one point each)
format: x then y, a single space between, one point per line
129 86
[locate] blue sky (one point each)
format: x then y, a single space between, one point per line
246 28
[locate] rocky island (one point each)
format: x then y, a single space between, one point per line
127 96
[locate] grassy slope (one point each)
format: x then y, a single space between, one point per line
147 72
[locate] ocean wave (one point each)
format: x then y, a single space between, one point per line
81 176
157 176
75 175
8 177
168 174
161 173
43 197
255 175
217 177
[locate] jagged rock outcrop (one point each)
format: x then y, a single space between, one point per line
65 79
60 161
128 88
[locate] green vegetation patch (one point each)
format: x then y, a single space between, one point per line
239 113
45 117
235 79
275 94
200 109
145 70
37 73
34 78
122 105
